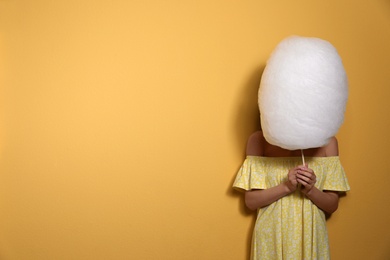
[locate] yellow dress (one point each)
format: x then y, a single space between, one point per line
292 227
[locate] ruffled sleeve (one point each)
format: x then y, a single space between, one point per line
335 177
251 175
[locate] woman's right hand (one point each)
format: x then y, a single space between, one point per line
292 182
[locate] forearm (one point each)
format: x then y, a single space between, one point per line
327 201
255 199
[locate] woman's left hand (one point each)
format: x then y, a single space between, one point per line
307 178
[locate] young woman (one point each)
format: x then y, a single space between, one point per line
291 199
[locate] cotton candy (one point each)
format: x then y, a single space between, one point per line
303 93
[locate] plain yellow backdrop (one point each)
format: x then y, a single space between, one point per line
123 124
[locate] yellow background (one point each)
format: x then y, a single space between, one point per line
123 124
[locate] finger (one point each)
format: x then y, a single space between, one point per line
303 179
306 166
306 169
309 179
309 175
303 183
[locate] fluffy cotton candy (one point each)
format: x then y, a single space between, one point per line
303 93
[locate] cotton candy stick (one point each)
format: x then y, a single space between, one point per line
304 164
303 158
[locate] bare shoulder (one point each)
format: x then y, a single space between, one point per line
332 148
255 144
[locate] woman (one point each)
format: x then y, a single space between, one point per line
292 199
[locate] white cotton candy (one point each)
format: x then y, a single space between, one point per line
303 94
